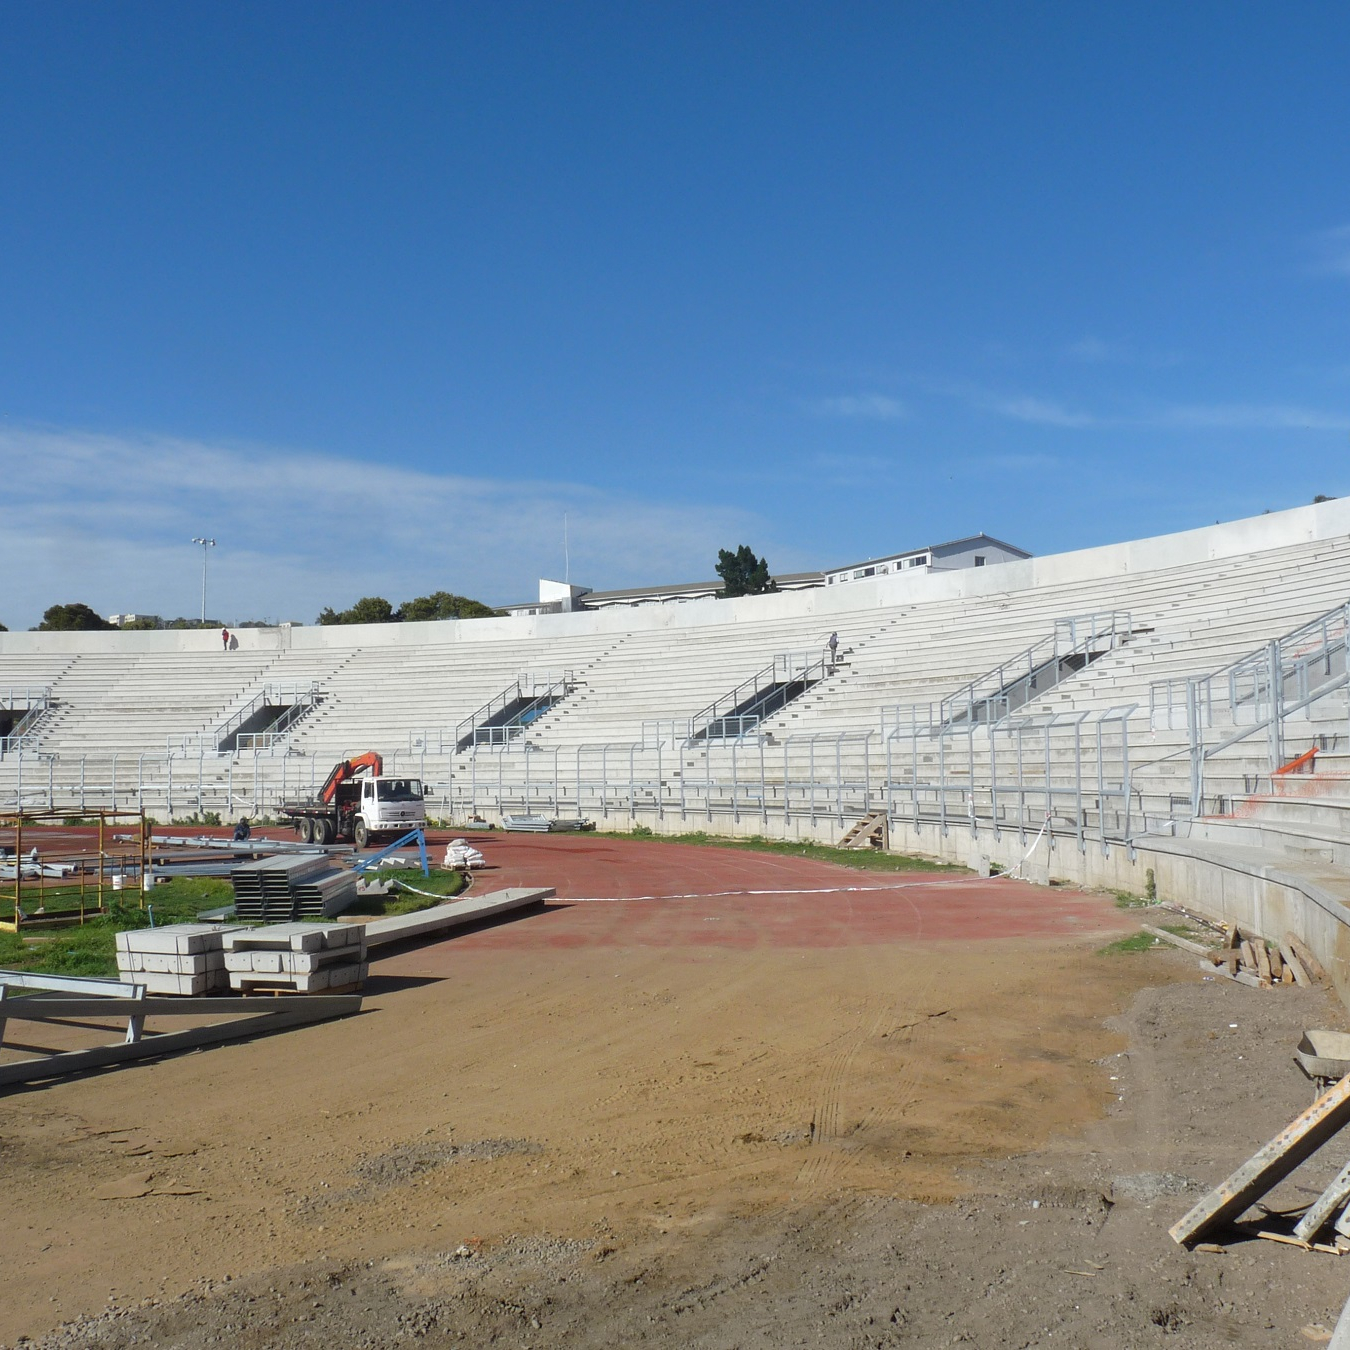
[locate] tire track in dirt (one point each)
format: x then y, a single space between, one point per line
887 1101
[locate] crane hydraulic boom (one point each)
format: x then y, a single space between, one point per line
349 768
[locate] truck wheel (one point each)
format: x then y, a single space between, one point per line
323 832
304 828
360 835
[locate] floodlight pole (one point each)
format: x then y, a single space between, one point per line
206 544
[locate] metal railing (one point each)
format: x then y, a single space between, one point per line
33 701
1259 692
743 708
297 699
536 693
1084 775
998 692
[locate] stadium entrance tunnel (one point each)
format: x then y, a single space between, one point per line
263 726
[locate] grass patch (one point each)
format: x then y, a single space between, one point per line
1128 900
862 859
440 885
90 949
1136 942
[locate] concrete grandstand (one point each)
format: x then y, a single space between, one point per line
1091 716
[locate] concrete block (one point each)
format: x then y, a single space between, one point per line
238 960
266 963
187 939
338 976
299 937
167 963
174 984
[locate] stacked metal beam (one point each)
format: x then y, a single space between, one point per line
280 890
303 958
322 897
179 958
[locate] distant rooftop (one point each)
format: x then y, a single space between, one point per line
976 550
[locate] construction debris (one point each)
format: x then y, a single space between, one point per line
302 958
1251 960
180 958
1294 1144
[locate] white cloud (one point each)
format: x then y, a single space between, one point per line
1196 416
1252 416
1093 351
1043 412
109 520
870 407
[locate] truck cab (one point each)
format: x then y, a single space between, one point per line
382 806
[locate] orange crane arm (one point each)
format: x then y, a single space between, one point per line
349 768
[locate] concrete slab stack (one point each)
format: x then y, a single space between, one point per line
180 958
282 889
302 958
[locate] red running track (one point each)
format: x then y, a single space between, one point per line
639 893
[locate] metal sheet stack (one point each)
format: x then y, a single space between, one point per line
299 886
180 958
303 958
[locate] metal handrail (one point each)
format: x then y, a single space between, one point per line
1071 636
808 667
554 687
273 695
18 696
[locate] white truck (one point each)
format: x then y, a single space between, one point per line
358 804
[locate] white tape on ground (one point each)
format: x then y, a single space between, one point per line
776 890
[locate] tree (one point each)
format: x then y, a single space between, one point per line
743 574
3 629
1322 497
444 605
369 609
74 618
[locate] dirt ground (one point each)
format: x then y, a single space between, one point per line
856 1110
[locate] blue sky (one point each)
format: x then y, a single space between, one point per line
374 294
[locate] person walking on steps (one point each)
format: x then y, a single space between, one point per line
225 639
833 644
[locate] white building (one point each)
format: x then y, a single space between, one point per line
978 550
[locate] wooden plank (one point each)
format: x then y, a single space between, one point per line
1267 1166
1326 1204
1294 965
1262 962
1248 955
1276 965
1241 976
1185 944
1232 937
1304 953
